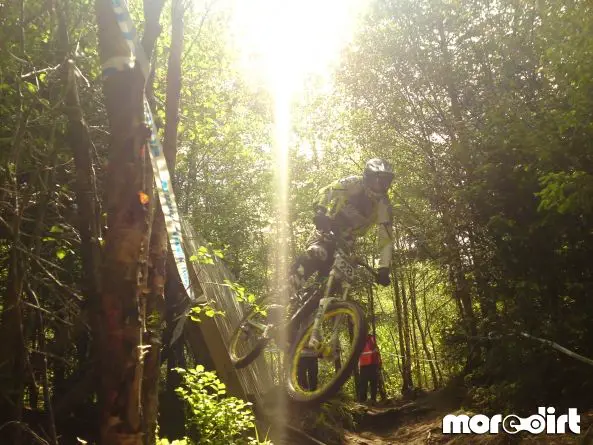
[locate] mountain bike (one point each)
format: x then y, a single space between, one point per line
326 324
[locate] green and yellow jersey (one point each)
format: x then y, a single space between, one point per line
355 210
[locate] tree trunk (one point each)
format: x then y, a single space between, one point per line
12 348
124 270
429 333
416 352
86 193
154 306
404 339
423 337
372 309
416 356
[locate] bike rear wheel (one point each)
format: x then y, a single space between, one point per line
344 334
248 340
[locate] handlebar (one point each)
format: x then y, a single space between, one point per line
339 241
372 271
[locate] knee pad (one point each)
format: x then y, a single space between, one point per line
318 252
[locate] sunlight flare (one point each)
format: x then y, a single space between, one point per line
290 40
282 43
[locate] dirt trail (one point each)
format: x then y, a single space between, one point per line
419 422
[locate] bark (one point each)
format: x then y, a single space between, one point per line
86 193
48 184
172 417
152 28
124 283
173 85
88 223
89 227
47 400
429 333
462 295
12 349
404 339
416 354
416 316
158 241
372 305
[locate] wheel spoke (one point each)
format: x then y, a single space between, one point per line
344 329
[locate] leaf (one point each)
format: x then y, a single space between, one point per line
210 312
61 254
31 87
56 229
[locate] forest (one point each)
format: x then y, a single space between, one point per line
484 108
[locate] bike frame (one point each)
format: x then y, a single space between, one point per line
335 273
342 269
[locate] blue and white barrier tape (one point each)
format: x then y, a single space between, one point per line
128 30
157 156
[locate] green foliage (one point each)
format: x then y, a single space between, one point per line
240 293
224 171
566 192
206 256
214 418
204 309
166 441
485 110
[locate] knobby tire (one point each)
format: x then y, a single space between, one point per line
319 396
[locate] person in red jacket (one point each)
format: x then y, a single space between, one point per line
369 364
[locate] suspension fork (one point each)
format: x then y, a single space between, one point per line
317 331
334 342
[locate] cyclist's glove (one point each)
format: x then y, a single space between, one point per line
322 222
383 276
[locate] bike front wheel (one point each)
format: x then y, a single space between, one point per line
314 376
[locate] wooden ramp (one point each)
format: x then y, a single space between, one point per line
208 340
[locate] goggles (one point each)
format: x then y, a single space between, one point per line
380 182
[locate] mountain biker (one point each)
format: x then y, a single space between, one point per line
348 207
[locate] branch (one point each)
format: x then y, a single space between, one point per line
493 336
44 375
45 70
558 347
26 428
51 314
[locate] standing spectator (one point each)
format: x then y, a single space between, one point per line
369 363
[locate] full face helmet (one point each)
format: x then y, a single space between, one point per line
377 176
